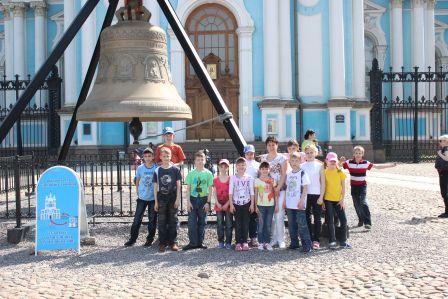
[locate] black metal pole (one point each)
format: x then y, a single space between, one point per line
45 69
125 136
17 189
19 123
87 82
415 160
198 66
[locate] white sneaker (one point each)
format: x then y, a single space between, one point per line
260 246
282 245
269 247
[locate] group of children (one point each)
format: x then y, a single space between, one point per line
254 200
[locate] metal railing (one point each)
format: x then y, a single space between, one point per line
38 129
108 183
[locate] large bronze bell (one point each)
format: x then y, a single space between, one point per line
133 79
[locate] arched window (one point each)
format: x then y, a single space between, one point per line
369 49
212 29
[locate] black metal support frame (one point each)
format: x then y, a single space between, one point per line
68 36
45 69
201 72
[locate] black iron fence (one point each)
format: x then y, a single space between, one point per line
108 183
38 128
409 112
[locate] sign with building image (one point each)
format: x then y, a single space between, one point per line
58 210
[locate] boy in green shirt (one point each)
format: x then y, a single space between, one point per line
199 185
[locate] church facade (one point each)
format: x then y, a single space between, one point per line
282 66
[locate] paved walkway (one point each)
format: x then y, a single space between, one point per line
404 256
405 181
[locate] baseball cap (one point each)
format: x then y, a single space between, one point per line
148 150
224 161
168 130
249 149
331 156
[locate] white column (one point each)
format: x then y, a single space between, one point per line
271 35
70 57
285 50
245 74
397 44
430 55
88 40
359 60
9 51
18 10
178 75
337 59
154 8
418 39
40 37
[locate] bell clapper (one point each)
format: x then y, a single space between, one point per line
135 128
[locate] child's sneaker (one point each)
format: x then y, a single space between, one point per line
306 250
316 245
368 226
220 245
260 246
228 246
345 246
282 245
129 243
245 247
269 247
253 242
333 245
238 247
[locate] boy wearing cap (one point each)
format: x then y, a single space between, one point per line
222 205
177 154
241 193
252 170
145 198
199 186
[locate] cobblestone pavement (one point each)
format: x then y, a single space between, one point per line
405 255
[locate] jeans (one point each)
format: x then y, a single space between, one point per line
312 208
361 205
265 223
297 227
333 208
196 220
138 217
225 226
443 183
242 216
253 225
167 219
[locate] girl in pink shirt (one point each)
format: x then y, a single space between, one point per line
222 205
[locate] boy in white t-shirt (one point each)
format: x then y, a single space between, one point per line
297 183
252 169
316 190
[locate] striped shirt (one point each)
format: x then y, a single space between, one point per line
357 171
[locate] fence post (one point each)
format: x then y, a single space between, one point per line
376 114
17 189
19 126
415 141
54 102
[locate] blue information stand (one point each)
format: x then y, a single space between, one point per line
58 210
